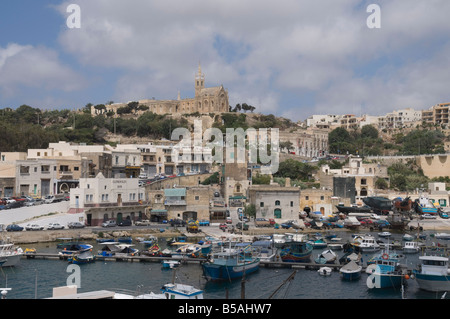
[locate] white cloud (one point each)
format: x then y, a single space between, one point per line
272 48
25 67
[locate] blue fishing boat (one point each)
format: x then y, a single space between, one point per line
433 273
351 271
72 248
84 257
296 252
229 264
387 272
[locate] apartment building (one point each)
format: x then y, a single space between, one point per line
437 114
400 119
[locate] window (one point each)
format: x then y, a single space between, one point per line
277 203
261 204
306 197
322 197
197 197
292 204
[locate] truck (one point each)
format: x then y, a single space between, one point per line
54 198
262 222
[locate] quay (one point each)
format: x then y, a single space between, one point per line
186 260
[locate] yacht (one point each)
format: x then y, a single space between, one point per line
367 244
10 255
433 273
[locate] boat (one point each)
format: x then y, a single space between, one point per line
229 264
326 257
385 271
279 240
367 243
10 254
318 243
154 250
265 249
407 237
353 209
403 205
352 222
411 247
125 240
433 273
378 203
125 250
423 205
351 271
325 271
71 248
384 234
170 263
83 257
188 250
335 245
442 236
296 251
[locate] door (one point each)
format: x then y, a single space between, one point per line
277 213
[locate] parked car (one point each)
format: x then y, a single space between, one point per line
109 223
223 226
75 225
125 222
291 223
14 204
54 226
242 226
428 216
177 222
33 227
14 227
144 222
229 220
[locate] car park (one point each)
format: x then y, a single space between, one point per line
14 227
109 223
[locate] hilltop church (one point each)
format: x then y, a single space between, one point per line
206 100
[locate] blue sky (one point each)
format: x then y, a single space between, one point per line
292 58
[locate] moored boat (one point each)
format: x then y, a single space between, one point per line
10 254
367 243
83 257
229 264
325 271
326 257
433 273
387 271
351 271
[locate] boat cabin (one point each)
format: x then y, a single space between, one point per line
434 265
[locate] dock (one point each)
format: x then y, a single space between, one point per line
185 260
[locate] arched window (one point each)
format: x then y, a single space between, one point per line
277 203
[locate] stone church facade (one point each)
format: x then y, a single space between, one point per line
206 100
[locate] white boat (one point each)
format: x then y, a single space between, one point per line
264 249
411 247
118 250
442 236
325 271
385 234
326 257
367 244
170 263
351 271
279 240
10 255
408 237
433 273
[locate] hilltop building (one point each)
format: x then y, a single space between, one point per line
206 100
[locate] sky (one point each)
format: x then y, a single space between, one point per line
291 58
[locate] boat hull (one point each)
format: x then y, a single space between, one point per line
297 253
351 276
434 283
381 280
216 272
11 261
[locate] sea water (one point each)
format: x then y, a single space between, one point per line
36 278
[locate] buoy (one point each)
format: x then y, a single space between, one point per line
406 277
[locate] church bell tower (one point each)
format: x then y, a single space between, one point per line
199 81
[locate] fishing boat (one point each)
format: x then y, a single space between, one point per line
83 257
296 251
378 203
433 273
229 264
424 205
265 249
411 247
353 209
318 243
407 237
367 243
10 254
70 248
351 271
154 250
326 257
386 271
126 250
188 250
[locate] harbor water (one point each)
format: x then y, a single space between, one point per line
36 278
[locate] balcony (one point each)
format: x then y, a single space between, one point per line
175 202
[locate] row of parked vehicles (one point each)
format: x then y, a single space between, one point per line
15 201
50 226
